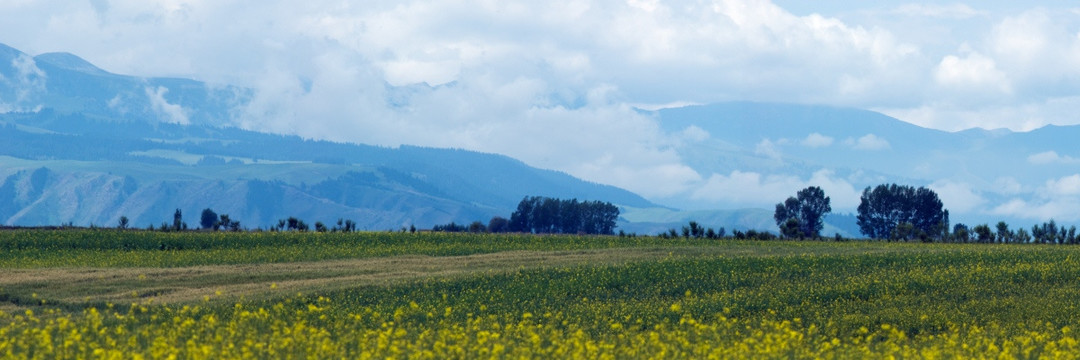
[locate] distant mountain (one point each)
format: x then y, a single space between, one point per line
982 169
66 83
81 145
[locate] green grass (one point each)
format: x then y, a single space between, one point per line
466 294
111 248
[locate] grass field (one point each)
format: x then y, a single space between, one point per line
103 294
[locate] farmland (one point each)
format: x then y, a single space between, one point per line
110 294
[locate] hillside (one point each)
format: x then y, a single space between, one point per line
981 175
84 146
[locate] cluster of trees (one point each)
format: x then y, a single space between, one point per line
544 215
696 231
887 212
890 212
294 224
800 216
1045 233
897 212
211 220
474 227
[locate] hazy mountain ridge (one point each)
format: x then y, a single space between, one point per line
81 145
167 141
976 171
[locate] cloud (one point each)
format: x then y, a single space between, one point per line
974 73
1057 198
769 149
1051 157
1007 186
752 189
1012 116
554 83
958 197
693 133
1065 209
952 12
1065 186
26 83
170 113
815 140
869 142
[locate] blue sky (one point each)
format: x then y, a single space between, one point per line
555 83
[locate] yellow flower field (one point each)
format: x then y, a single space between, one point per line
832 301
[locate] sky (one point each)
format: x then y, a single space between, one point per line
556 83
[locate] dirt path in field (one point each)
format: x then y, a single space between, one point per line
186 284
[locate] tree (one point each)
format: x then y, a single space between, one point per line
547 215
961 234
807 209
983 234
123 223
1003 233
498 224
903 231
696 230
885 207
178 221
477 227
790 229
209 219
1022 236
225 221
521 219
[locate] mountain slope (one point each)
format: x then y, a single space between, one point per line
81 145
981 175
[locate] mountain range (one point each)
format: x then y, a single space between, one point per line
81 145
84 146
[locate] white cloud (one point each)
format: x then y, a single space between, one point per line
768 149
740 188
1057 198
972 73
1007 186
816 140
952 11
1051 157
1065 186
958 197
170 113
26 83
1064 209
1016 117
869 142
693 133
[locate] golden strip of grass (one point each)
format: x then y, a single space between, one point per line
76 286
188 284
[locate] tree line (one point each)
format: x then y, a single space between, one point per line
544 215
538 215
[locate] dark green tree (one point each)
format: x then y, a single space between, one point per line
1003 233
178 221
209 219
808 208
498 224
123 223
477 227
983 234
886 206
961 233
790 229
